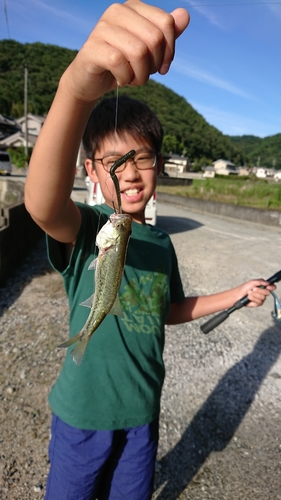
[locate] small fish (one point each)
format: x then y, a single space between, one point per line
112 241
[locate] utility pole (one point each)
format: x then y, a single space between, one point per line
26 109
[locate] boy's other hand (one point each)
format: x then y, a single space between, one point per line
255 294
130 42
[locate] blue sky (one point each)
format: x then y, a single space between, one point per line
227 63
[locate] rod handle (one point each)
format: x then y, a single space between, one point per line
214 322
222 316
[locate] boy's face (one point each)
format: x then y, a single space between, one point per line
136 186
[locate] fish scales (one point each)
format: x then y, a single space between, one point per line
112 241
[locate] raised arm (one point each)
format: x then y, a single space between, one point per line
130 42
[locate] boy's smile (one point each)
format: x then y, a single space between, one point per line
136 185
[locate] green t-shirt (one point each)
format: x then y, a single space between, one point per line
119 381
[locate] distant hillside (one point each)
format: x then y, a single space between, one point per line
186 131
264 152
45 64
184 128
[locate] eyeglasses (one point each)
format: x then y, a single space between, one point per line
142 160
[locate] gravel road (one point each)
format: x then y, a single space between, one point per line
220 417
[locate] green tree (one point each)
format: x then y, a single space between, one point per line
170 144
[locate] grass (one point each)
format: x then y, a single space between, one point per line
247 193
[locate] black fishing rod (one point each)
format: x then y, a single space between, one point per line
222 316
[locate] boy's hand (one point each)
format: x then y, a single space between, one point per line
130 42
255 294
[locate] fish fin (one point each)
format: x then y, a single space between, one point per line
70 341
88 302
116 308
93 264
78 352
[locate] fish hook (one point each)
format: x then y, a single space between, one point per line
114 178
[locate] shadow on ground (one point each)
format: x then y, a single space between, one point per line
35 264
173 225
216 422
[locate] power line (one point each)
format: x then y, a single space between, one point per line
231 4
6 17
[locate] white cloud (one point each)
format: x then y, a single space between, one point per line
203 76
234 124
276 10
47 11
206 12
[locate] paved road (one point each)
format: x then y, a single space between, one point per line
229 250
220 418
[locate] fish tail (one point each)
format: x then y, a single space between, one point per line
70 341
78 352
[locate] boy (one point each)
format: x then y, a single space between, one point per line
105 411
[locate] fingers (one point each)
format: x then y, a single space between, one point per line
162 31
130 42
258 295
181 21
131 57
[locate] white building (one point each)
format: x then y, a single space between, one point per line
34 125
225 167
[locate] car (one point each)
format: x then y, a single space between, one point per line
5 163
95 197
277 176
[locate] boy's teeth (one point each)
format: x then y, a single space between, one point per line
131 192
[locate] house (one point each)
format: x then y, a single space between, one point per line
8 126
243 171
16 140
261 172
34 125
225 167
209 171
176 163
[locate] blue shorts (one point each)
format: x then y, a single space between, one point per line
103 465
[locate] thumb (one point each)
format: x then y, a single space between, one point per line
181 21
182 18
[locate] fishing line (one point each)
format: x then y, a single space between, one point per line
116 114
115 135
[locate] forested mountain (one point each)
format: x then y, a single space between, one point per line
186 131
45 65
263 152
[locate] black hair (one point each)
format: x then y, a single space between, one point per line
133 117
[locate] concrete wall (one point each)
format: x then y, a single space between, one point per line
257 215
18 236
